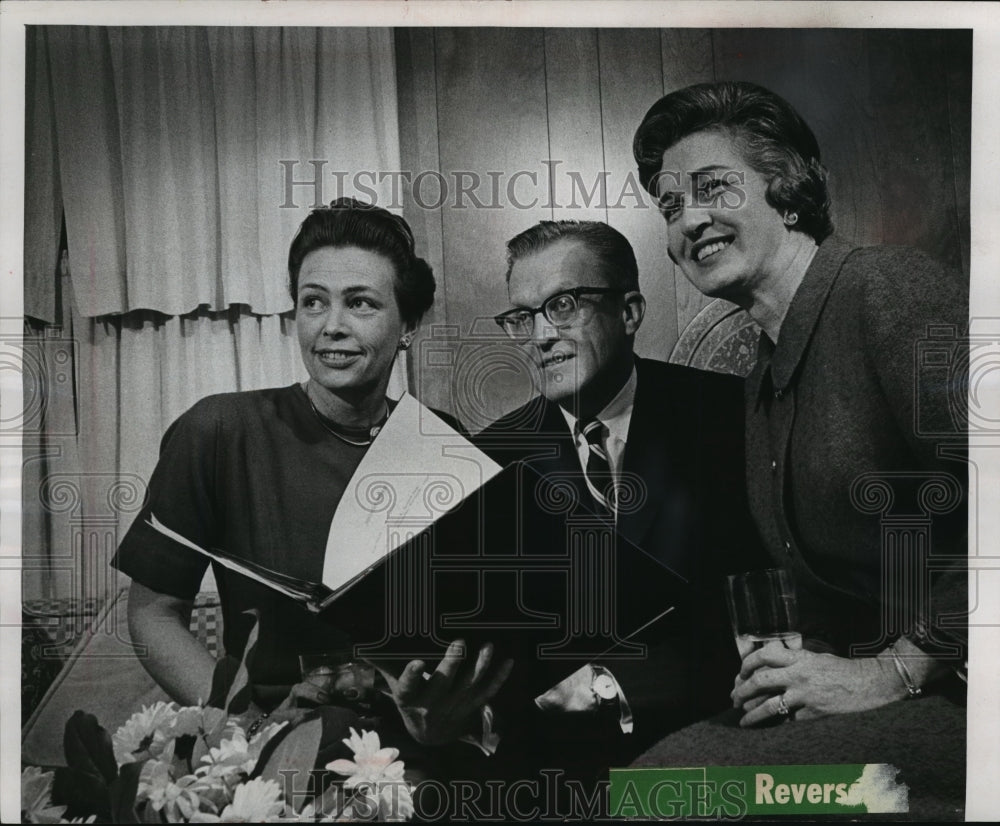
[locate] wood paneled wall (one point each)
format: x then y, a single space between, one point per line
891 110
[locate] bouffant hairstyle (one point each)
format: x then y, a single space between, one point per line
769 134
348 222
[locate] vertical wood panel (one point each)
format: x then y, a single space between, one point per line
890 111
688 58
492 117
823 74
957 50
418 129
910 94
631 80
576 140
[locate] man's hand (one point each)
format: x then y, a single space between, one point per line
446 705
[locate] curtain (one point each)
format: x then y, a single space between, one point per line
177 152
99 393
161 149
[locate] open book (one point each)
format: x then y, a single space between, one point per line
433 541
417 469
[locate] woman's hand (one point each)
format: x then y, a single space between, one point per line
812 685
288 712
438 709
291 708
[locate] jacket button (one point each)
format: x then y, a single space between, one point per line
774 464
788 546
778 394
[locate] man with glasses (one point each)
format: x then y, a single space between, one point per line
655 447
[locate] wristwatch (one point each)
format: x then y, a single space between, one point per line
604 686
609 694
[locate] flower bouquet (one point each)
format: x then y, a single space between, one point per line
207 764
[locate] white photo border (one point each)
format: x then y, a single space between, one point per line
983 760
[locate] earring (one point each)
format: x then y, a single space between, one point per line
404 343
791 218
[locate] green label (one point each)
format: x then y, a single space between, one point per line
721 792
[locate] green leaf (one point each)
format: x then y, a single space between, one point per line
238 698
336 726
82 793
122 794
222 680
333 799
291 759
88 747
149 815
201 748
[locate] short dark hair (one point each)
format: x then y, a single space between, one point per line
771 136
348 222
611 248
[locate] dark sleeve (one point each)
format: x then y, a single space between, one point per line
181 497
915 326
692 658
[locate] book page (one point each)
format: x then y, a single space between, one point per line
418 469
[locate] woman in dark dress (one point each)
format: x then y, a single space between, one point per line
259 474
833 451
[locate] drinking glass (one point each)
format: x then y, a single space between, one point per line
763 609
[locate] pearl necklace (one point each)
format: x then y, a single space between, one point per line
326 425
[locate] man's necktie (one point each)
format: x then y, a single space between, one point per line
598 470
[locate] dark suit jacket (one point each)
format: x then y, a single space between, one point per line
685 442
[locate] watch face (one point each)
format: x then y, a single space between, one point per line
604 687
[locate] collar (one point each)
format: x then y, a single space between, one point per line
777 363
616 414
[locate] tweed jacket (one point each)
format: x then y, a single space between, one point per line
856 448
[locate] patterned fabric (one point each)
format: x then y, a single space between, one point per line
53 628
61 621
206 622
38 670
721 338
598 470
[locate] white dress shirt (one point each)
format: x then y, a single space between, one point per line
575 692
616 416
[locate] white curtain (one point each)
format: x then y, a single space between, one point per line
161 148
101 392
170 145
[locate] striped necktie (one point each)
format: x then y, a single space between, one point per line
598 470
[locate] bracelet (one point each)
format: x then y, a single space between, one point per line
904 673
256 724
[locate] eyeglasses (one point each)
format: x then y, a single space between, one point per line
559 310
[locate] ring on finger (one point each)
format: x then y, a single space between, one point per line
783 708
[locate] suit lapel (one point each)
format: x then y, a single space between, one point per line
647 454
557 451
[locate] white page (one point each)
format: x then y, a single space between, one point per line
418 469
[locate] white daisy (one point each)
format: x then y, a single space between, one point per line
145 733
231 756
371 763
178 800
36 800
196 720
256 801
